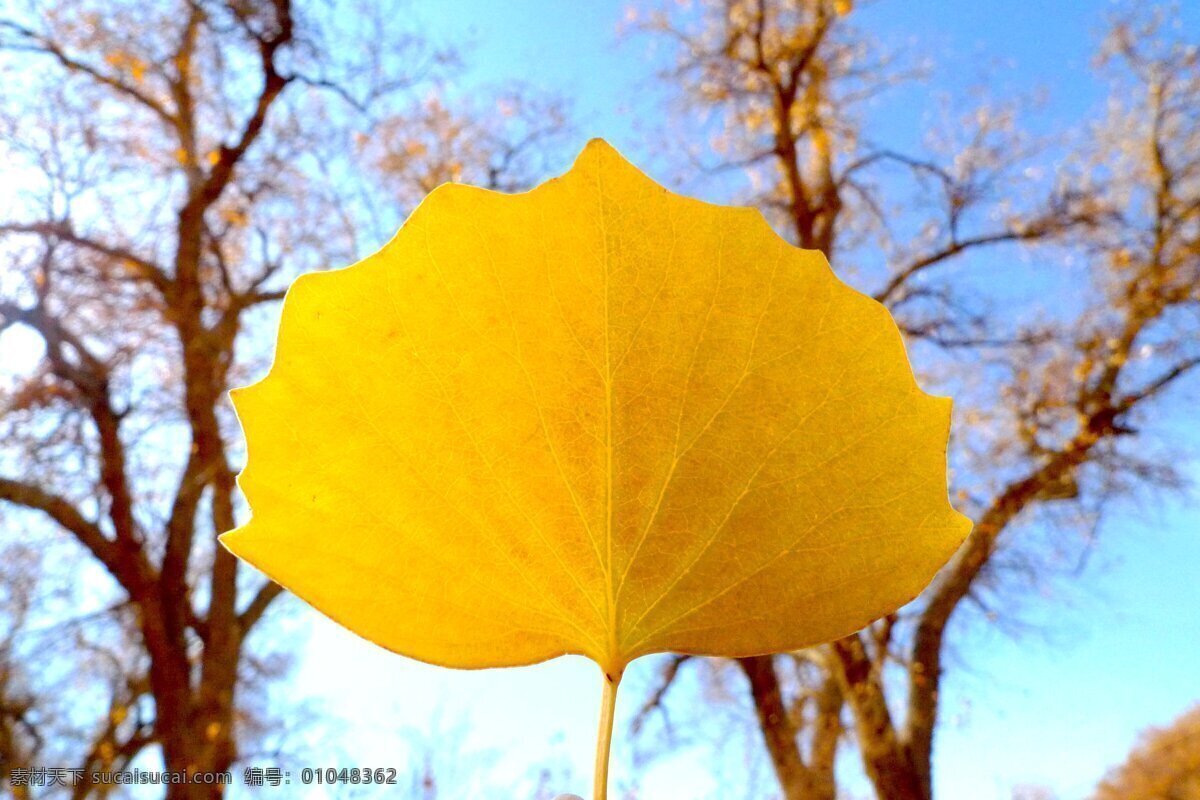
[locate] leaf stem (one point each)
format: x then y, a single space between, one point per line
608 707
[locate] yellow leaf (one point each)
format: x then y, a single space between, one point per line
595 418
234 216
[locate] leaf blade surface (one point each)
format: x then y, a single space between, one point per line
595 418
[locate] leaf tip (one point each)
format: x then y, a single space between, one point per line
600 153
237 395
597 145
230 540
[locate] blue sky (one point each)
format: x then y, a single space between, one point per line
1114 650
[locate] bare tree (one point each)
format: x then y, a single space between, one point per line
1052 412
174 166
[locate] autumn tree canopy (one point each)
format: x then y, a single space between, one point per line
1056 414
1165 765
177 165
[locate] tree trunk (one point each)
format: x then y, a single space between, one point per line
885 753
797 780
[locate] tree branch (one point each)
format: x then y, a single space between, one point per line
952 249
666 679
258 606
40 44
129 576
63 231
